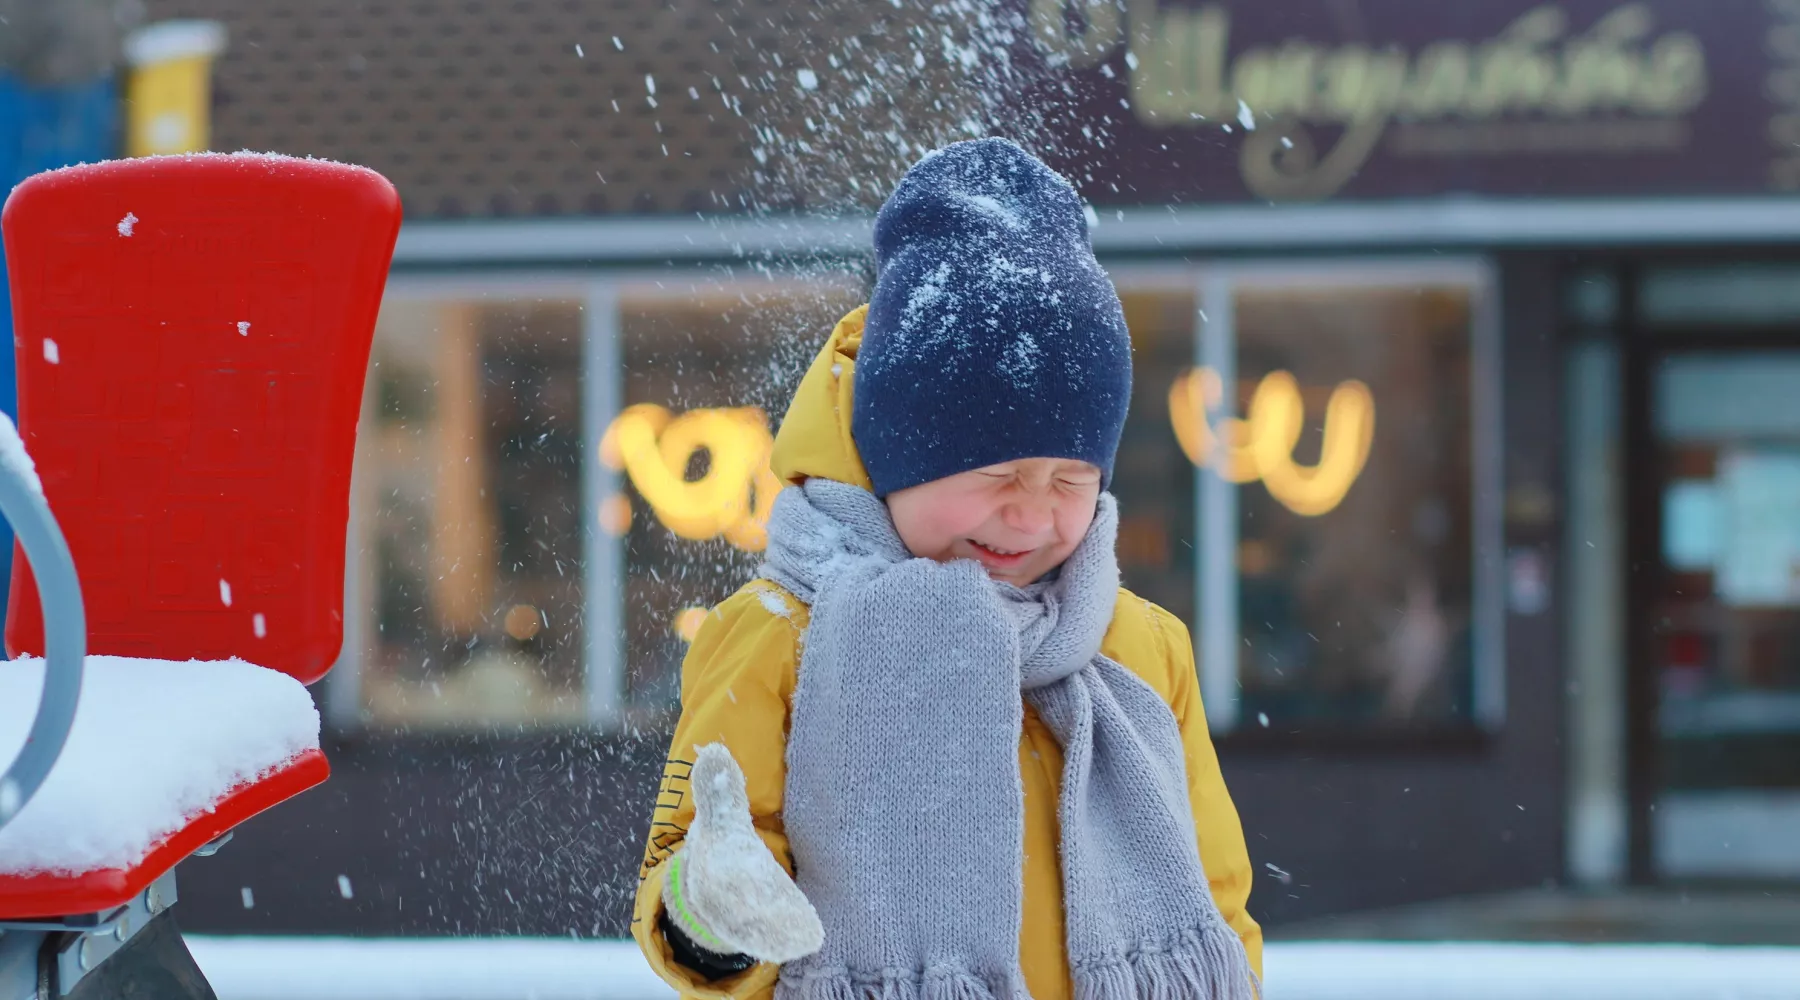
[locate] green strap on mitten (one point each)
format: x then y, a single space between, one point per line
682 916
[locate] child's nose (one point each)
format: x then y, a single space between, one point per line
1031 514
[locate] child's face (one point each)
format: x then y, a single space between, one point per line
1019 519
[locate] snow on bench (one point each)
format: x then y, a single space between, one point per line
155 744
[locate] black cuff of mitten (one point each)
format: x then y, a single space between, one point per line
709 964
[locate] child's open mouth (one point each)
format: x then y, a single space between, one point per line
999 558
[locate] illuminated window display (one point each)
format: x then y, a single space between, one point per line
1334 435
1331 582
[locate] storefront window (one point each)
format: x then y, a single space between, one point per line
480 498
1335 430
1355 534
470 516
1310 445
707 373
1153 482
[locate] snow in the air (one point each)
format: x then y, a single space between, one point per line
51 353
127 223
1246 117
243 329
259 625
16 459
344 889
225 592
808 79
154 744
248 897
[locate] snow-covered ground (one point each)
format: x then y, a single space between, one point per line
538 969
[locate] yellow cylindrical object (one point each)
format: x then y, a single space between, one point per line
168 95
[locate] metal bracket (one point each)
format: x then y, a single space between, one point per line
212 846
80 951
71 946
78 923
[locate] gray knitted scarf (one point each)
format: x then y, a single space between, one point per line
904 806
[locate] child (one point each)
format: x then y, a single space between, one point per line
973 767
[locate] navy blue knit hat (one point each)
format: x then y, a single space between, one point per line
993 334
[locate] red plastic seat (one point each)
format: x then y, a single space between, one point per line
192 336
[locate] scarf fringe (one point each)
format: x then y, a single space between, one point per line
1206 963
944 982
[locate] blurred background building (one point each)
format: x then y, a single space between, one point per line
1466 434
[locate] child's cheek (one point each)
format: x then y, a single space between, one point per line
1072 523
971 517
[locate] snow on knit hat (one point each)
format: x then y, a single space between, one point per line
992 334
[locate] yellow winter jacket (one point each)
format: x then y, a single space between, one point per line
737 687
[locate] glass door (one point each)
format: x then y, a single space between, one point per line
1723 612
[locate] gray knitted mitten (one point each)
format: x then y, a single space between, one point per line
723 888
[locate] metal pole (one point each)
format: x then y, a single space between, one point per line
1218 516
65 623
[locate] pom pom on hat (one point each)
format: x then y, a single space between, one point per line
993 334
